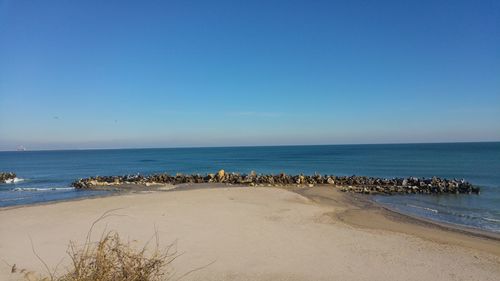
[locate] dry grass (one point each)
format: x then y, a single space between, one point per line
112 259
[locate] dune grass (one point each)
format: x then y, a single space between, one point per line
111 259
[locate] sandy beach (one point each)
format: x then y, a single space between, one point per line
240 233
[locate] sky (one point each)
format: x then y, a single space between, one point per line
113 74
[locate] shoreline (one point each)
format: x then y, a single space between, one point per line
445 225
372 215
370 203
362 201
260 233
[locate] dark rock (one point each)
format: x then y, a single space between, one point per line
5 177
357 184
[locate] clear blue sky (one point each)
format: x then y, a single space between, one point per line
100 74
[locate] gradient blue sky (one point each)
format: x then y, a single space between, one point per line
101 74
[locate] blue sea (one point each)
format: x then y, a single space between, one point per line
46 175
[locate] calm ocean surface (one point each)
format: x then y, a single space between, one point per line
46 175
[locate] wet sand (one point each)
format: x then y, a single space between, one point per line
257 234
361 212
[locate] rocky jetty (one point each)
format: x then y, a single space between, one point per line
357 184
7 177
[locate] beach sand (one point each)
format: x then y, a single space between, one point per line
241 233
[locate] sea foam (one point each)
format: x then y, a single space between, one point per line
42 188
492 220
423 208
14 180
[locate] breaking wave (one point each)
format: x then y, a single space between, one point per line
423 208
490 219
14 180
42 188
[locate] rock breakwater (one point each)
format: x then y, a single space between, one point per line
7 177
357 184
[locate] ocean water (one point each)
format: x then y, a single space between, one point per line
46 175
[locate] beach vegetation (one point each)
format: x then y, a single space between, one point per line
111 258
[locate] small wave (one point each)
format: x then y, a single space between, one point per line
42 188
423 208
14 180
15 199
147 160
490 219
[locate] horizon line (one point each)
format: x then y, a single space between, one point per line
246 146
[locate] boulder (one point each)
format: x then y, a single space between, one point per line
7 177
220 175
357 184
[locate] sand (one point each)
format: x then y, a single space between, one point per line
256 234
